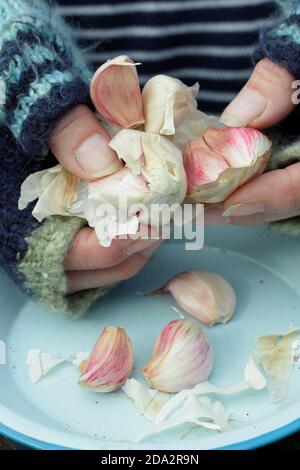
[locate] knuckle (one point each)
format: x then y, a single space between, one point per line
268 76
73 118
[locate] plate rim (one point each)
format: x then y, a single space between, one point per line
259 441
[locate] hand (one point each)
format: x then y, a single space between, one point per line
80 144
264 101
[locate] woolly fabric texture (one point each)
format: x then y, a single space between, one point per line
41 71
281 43
42 267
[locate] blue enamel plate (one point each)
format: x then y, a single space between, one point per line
263 267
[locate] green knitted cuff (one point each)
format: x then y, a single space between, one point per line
42 267
285 151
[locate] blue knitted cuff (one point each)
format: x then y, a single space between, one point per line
281 43
41 71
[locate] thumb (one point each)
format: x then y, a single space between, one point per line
265 100
80 144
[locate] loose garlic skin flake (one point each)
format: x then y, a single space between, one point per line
182 357
205 295
222 160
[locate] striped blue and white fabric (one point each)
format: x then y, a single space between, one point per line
210 41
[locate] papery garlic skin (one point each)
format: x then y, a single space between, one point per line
148 402
275 354
167 103
194 127
182 357
116 93
110 362
205 295
246 151
57 192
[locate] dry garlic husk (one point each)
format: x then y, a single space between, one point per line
205 295
167 103
194 127
199 411
182 357
40 363
110 362
222 160
276 354
56 190
116 93
148 402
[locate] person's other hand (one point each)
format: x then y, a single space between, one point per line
264 101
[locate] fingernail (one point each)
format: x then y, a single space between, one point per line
96 158
141 245
244 209
245 108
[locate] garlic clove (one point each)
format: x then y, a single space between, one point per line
246 151
201 164
167 103
116 93
110 362
182 357
205 295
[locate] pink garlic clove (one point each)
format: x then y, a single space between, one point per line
245 151
116 94
182 357
238 146
205 295
201 164
110 362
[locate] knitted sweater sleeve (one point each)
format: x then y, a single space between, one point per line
281 42
42 76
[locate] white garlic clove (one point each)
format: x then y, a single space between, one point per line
167 103
246 152
116 93
110 362
182 357
205 295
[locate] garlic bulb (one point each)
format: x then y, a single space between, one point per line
110 362
142 191
223 159
205 295
182 357
116 93
167 103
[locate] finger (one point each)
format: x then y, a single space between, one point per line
86 253
256 219
276 192
82 280
80 144
265 100
214 216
